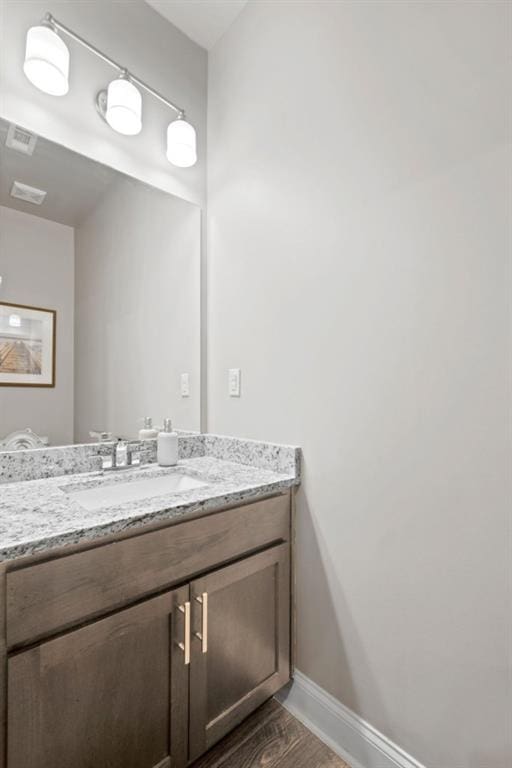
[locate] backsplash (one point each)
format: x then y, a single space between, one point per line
38 463
279 458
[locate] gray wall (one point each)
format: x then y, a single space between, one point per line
37 269
137 311
359 189
135 35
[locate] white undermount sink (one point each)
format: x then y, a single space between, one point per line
135 490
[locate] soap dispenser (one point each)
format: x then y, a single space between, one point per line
148 431
167 446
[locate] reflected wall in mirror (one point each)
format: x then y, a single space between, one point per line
118 262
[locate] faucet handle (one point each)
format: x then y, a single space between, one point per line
136 452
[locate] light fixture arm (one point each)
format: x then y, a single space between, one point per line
52 22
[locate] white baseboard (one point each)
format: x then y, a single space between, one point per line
352 738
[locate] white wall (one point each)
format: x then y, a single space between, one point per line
37 269
137 288
135 35
359 274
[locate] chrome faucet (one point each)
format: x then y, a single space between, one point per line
125 454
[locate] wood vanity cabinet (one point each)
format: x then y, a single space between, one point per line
156 682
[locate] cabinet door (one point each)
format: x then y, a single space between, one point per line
240 645
100 696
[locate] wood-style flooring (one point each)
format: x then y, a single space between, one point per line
270 738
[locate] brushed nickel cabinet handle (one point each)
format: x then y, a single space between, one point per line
203 634
185 646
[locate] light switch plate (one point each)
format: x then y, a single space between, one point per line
185 385
234 382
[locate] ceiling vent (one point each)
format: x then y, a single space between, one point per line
28 194
20 139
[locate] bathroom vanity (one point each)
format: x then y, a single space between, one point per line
137 635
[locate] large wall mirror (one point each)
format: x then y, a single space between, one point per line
99 298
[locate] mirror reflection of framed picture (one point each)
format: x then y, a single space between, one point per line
27 346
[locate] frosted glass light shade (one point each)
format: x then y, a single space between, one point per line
181 144
47 61
124 107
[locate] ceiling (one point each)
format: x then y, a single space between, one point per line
74 183
204 21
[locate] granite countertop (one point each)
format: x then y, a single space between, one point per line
38 515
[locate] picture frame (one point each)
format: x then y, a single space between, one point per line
27 345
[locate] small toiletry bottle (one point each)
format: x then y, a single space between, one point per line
167 446
148 431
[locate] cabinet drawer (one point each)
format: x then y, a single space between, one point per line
48 597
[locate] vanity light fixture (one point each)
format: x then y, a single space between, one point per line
181 143
120 105
15 321
123 110
47 60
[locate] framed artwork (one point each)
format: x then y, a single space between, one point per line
27 346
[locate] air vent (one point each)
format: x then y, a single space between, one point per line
20 139
28 194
